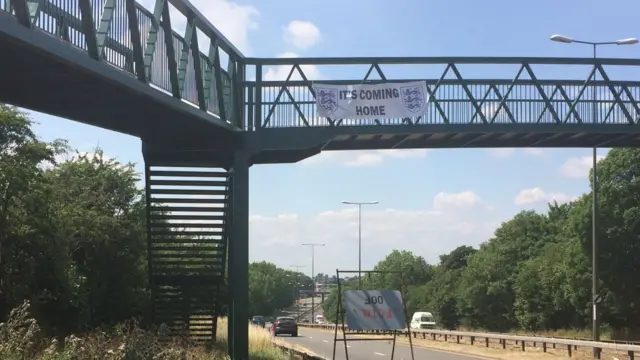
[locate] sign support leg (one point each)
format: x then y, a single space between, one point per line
341 314
393 347
335 335
407 320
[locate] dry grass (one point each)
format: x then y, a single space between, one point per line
22 339
512 351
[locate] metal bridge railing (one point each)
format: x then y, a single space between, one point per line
143 43
524 98
131 38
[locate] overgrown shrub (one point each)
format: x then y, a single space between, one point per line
22 339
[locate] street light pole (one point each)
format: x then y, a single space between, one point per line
594 183
313 248
313 278
296 286
359 204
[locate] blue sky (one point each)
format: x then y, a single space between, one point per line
430 201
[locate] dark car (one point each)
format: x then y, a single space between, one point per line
258 320
285 325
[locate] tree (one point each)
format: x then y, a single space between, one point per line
272 288
440 295
104 218
22 157
71 236
486 286
400 268
618 234
457 259
551 288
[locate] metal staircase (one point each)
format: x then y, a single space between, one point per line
187 216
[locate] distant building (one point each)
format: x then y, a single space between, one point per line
325 287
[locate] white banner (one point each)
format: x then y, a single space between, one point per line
366 101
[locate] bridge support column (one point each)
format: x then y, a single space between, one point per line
239 260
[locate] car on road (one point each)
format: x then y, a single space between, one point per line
422 320
258 320
285 325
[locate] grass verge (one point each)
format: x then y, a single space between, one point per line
22 339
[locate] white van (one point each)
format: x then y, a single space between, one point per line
423 320
319 319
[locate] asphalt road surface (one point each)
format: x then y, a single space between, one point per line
321 343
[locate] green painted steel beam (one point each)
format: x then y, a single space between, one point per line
240 94
217 72
88 28
62 31
136 40
505 81
105 25
189 34
230 104
27 12
239 257
171 53
440 60
198 73
152 37
209 79
201 22
616 96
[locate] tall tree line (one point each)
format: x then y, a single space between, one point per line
535 272
73 237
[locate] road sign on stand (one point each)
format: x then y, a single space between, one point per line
370 310
374 309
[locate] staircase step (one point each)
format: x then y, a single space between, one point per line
187 242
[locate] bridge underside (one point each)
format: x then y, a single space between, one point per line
278 146
46 75
292 145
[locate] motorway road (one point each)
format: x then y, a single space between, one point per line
321 343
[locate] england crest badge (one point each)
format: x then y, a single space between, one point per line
413 98
327 100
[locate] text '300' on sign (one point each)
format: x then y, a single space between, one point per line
367 101
374 309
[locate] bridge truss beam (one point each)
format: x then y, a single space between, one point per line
521 106
524 98
124 35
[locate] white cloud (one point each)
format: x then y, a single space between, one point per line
280 73
302 34
447 201
578 167
426 232
534 151
502 152
363 158
234 21
539 196
507 152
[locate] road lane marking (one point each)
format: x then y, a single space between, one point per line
377 353
325 341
